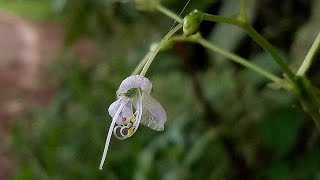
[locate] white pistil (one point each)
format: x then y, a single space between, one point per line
106 146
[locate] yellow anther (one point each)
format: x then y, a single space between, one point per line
130 131
133 119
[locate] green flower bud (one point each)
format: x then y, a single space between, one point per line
192 22
147 5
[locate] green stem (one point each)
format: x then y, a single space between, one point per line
243 11
169 13
156 50
310 56
255 36
216 49
231 56
239 60
307 94
142 63
310 106
265 44
215 18
313 112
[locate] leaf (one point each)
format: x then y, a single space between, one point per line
76 23
279 130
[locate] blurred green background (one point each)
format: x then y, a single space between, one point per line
223 122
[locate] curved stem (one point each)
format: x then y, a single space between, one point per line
255 36
265 44
310 56
142 63
231 56
169 13
248 28
239 60
216 49
154 52
215 18
243 11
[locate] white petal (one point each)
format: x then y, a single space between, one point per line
126 111
135 81
153 114
114 107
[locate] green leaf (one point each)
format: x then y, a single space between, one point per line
33 9
279 130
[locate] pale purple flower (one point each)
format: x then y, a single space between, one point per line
134 105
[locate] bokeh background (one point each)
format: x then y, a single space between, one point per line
61 62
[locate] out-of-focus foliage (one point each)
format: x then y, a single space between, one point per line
261 133
34 9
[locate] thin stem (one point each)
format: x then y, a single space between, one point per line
310 56
255 36
242 24
231 56
154 52
169 13
142 63
239 60
265 44
243 11
215 18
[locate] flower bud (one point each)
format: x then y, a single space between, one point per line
192 22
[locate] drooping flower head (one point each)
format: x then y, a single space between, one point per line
134 105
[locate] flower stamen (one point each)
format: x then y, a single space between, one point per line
106 146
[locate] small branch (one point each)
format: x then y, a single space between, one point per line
265 44
239 60
155 52
310 56
169 13
243 11
233 57
141 64
248 28
215 18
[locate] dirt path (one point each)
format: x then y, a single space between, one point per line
26 48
